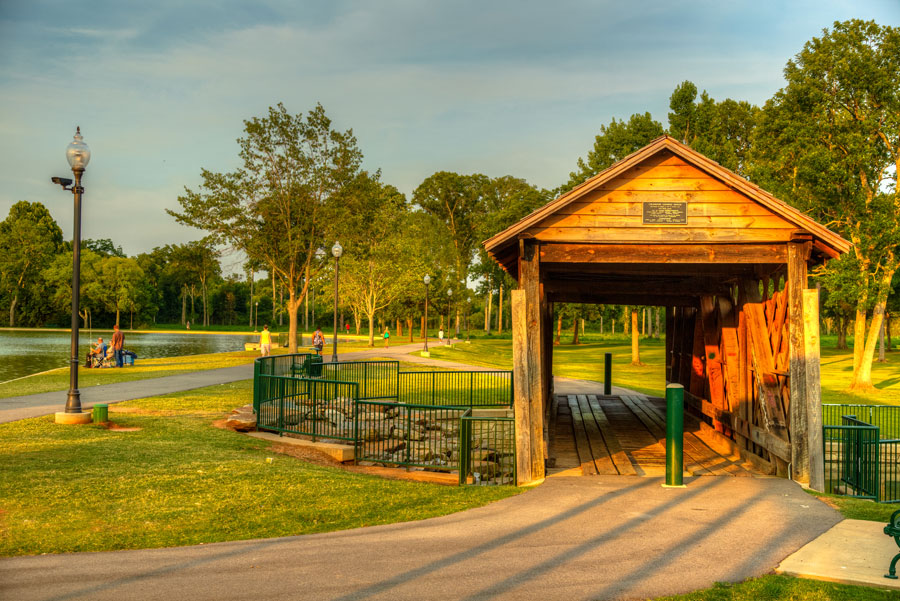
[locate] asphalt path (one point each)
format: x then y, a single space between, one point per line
600 537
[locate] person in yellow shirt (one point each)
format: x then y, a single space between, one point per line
265 341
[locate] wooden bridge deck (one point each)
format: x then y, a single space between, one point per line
626 434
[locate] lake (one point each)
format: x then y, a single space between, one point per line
30 352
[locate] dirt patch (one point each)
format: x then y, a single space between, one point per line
117 428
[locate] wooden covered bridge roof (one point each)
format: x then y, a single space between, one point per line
661 226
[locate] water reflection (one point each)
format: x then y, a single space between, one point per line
29 352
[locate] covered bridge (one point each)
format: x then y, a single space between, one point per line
668 227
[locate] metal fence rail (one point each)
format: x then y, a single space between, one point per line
357 401
296 365
487 450
860 461
885 417
457 388
311 407
408 435
376 379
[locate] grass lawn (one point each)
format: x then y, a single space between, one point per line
785 588
585 361
180 481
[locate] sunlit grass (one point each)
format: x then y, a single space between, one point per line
784 588
180 481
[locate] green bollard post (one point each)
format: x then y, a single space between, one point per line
607 374
674 436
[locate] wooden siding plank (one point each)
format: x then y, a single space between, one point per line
663 253
658 234
614 204
693 221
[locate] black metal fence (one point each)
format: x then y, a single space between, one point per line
862 451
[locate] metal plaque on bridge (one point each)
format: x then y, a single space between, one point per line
665 213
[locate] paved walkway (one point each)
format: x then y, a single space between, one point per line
606 537
35 405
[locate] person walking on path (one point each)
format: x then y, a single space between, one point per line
318 340
265 341
118 344
387 336
441 336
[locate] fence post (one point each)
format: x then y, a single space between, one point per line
607 374
315 409
471 387
674 436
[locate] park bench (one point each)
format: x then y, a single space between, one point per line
893 529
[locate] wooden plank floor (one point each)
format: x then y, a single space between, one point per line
596 434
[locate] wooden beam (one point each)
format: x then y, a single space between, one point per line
725 271
521 399
813 389
530 284
696 286
615 298
798 253
663 253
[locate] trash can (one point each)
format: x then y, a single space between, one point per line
101 413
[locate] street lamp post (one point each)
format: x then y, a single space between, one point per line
256 319
79 155
426 280
320 254
337 250
468 312
449 313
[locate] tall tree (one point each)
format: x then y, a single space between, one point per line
721 131
380 264
457 201
276 207
829 141
614 142
29 239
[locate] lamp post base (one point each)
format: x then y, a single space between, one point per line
73 418
425 354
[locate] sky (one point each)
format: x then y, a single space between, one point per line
515 87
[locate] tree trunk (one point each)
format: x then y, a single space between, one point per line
862 378
12 310
292 293
574 330
117 315
293 308
614 327
625 322
881 358
658 330
859 340
582 326
601 325
399 328
409 327
887 330
275 303
500 312
488 306
371 329
183 306
558 329
635 339
281 303
842 333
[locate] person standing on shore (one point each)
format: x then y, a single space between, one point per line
118 344
265 341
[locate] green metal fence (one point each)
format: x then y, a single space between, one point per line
487 449
296 365
860 459
456 388
408 435
376 379
311 407
415 419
